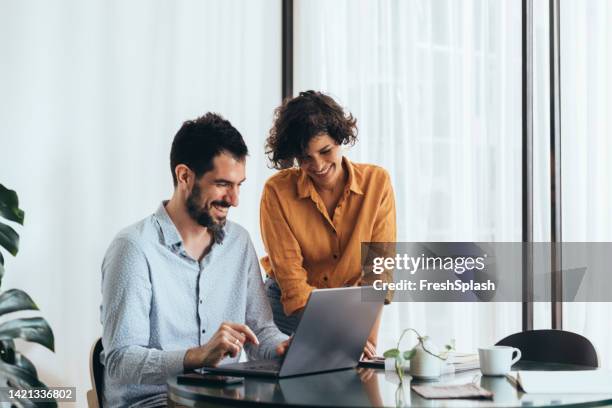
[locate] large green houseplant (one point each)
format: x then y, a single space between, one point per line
16 371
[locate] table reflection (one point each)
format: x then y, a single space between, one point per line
340 388
370 387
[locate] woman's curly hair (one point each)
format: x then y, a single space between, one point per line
300 119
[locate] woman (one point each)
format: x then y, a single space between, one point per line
319 208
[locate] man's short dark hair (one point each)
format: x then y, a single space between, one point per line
199 141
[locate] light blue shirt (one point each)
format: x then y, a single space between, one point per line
157 302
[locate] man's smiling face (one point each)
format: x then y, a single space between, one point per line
215 192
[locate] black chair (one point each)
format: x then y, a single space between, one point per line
96 370
553 346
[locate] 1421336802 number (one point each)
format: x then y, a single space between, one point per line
60 393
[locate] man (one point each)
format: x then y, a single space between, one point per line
182 288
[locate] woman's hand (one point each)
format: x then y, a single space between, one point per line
282 347
369 350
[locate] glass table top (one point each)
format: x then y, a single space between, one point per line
364 387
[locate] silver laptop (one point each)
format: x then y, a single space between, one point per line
331 335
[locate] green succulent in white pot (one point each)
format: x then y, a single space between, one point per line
425 358
16 371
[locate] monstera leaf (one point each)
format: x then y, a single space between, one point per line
15 300
9 355
1 267
16 371
9 205
9 209
35 329
19 378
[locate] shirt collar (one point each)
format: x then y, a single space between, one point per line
169 234
305 186
354 179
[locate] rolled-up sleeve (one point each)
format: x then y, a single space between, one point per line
385 229
126 302
284 253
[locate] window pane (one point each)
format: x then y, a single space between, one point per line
436 89
586 129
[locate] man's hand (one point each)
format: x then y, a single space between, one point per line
369 350
281 349
228 340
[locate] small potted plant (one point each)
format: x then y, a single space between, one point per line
425 360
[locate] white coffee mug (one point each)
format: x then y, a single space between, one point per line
497 360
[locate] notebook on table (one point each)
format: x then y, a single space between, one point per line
563 382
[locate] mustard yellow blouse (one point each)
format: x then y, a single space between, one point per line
306 248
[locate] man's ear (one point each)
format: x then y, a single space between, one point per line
184 176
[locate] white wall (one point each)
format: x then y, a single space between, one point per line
91 95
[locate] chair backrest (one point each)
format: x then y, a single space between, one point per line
553 346
96 370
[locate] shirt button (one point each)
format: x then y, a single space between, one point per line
201 301
203 330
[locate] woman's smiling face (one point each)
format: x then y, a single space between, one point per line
322 161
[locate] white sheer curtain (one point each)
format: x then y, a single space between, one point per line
436 89
92 93
586 130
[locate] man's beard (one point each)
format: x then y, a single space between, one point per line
202 215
